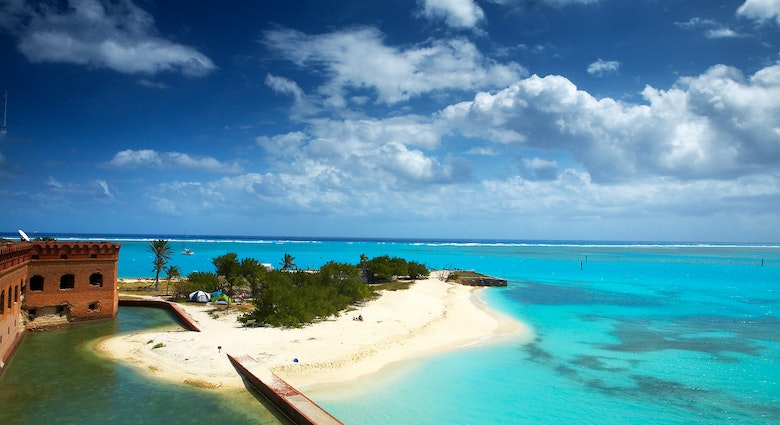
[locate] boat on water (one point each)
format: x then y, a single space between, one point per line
185 250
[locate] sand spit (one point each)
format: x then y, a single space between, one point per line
432 316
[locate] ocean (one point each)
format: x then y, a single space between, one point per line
662 333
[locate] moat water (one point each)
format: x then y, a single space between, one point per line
57 378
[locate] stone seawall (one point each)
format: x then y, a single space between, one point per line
183 317
291 402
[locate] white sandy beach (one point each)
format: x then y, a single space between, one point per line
430 317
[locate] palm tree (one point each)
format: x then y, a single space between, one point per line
289 262
162 254
173 273
363 261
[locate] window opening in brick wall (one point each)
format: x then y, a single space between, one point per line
67 281
36 283
2 302
95 306
96 279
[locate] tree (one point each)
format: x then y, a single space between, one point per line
253 273
162 254
363 261
288 263
173 273
228 269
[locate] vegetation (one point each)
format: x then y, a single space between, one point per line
173 272
195 281
288 263
384 269
162 251
290 297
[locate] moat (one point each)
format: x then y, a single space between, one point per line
57 378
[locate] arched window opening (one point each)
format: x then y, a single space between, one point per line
10 296
2 302
96 279
16 295
67 281
36 283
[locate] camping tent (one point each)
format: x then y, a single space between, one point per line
224 298
199 297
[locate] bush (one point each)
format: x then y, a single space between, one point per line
195 281
384 269
298 298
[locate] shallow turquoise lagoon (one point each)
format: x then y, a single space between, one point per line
624 333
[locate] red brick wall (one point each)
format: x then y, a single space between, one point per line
88 299
83 293
11 324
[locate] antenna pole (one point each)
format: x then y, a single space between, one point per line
5 111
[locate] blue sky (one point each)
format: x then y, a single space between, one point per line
509 119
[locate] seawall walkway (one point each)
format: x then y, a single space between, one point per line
296 406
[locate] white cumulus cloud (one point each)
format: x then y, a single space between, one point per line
716 125
455 13
358 59
761 10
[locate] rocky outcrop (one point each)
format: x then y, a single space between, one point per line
482 281
472 278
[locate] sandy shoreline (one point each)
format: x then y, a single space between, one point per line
430 317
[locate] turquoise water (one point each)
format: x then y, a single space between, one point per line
624 333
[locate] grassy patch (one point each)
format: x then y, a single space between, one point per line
399 285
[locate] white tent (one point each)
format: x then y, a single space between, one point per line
199 297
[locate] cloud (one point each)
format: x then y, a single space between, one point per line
554 3
130 159
761 11
538 169
711 29
455 13
701 151
715 125
602 67
357 60
302 104
119 36
72 192
363 153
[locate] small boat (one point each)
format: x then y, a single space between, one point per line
185 250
